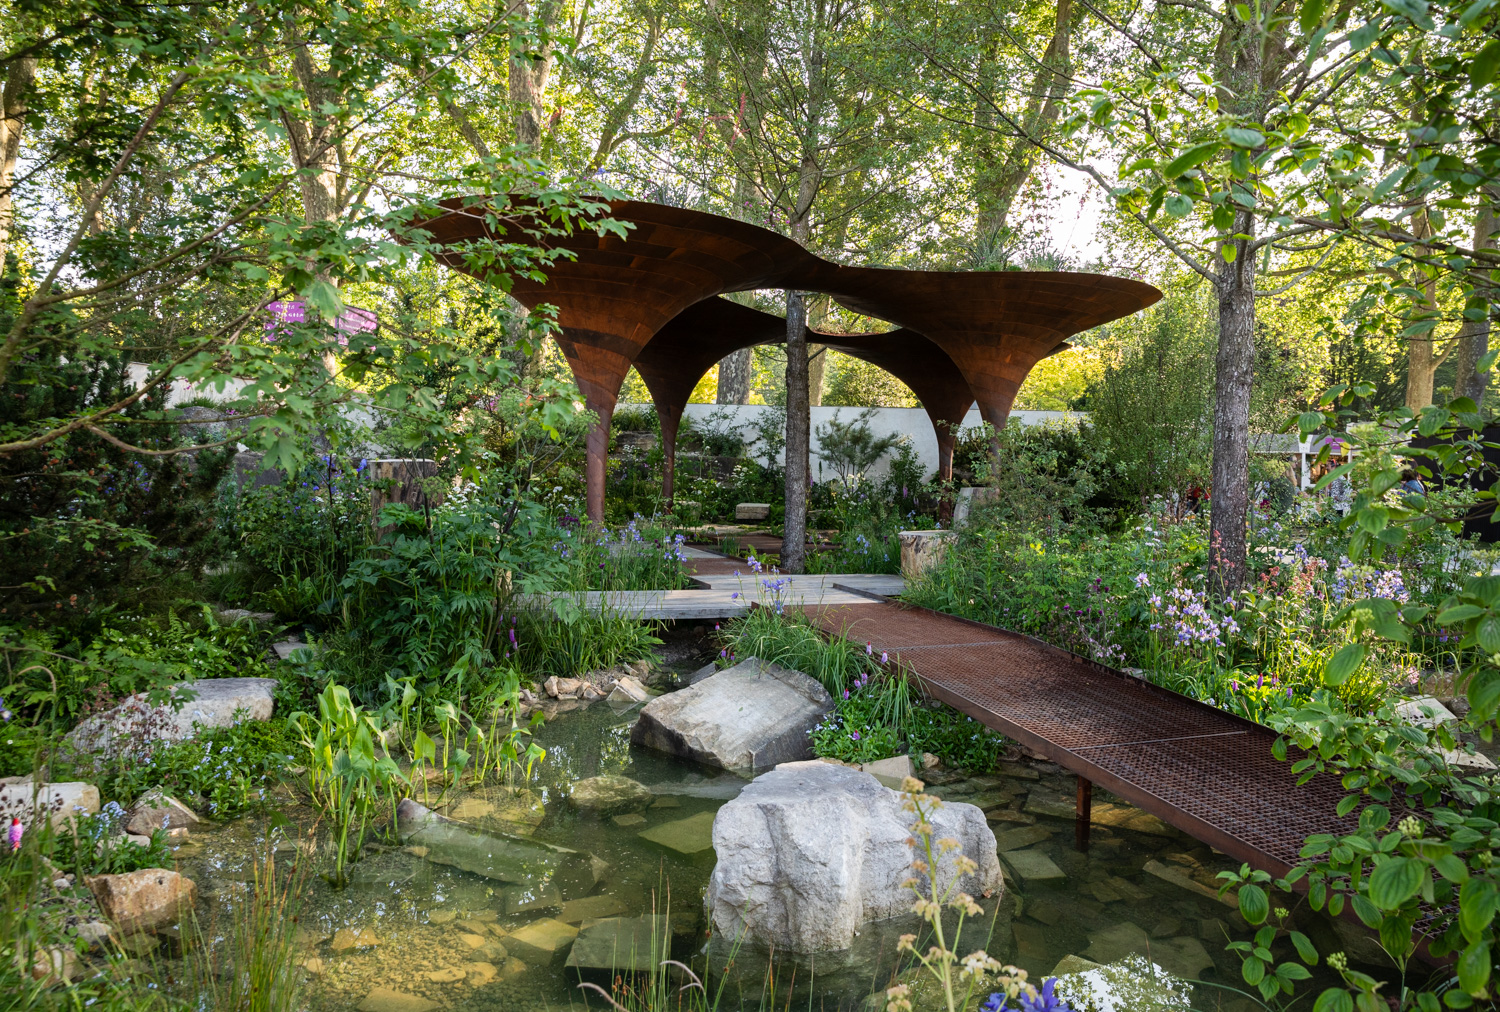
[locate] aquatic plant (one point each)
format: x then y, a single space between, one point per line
346 778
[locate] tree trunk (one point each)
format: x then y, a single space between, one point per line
1000 180
798 436
734 378
817 365
529 73
18 78
1234 369
1422 356
1474 336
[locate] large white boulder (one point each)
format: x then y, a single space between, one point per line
752 715
135 722
810 851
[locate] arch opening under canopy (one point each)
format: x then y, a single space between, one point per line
648 300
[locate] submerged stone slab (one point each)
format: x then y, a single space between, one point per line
1032 865
513 859
1126 817
1054 805
384 999
547 936
692 835
621 943
1017 839
752 715
590 907
610 795
1181 879
811 851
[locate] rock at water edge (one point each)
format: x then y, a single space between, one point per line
620 943
158 810
610 795
63 801
752 715
811 851
136 721
891 772
143 900
383 999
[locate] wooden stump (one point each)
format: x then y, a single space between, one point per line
399 479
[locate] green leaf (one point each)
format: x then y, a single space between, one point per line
1365 35
1414 10
1343 664
1451 868
325 298
1191 158
1477 902
1462 613
1293 971
1334 1000
1484 692
1488 633
1306 951
1244 137
1229 252
1396 880
1312 15
1253 970
1178 205
1255 905
1483 67
1366 911
1474 967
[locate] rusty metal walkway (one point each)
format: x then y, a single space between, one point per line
1207 772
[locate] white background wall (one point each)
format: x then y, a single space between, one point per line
910 422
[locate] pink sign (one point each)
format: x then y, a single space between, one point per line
353 320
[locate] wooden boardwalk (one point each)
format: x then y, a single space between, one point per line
1208 773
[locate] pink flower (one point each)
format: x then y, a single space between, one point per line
16 829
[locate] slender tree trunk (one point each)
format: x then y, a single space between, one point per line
798 436
817 366
1474 336
529 73
1422 355
18 79
1000 179
734 378
1234 370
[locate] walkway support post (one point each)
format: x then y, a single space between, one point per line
1083 814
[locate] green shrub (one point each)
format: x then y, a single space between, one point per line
97 846
221 773
547 644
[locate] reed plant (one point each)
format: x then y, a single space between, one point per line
249 964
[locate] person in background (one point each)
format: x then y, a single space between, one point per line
1411 483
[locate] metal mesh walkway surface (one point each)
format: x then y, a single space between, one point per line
1207 772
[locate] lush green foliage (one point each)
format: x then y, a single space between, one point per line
222 772
877 712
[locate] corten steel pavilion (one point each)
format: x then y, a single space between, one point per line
648 300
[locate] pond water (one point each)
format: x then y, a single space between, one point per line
466 941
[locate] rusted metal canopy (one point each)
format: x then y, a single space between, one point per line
672 363
616 295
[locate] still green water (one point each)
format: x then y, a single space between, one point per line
463 941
